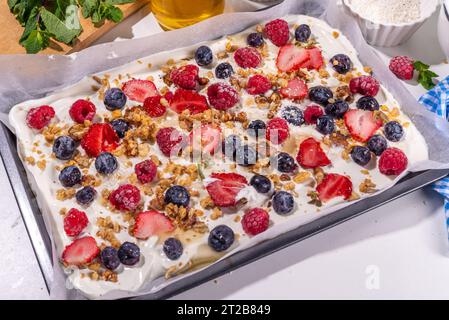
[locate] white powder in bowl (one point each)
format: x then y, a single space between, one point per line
388 11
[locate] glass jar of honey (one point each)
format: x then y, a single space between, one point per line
175 14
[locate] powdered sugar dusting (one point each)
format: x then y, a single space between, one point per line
388 11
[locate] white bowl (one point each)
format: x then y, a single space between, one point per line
443 28
391 34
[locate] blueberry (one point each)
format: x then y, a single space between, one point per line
177 195
224 70
341 63
128 253
114 99
120 127
245 155
204 56
106 163
393 131
361 155
257 128
377 144
368 103
230 144
172 248
325 124
302 33
293 115
221 238
70 176
285 163
261 183
109 258
283 202
320 95
64 148
337 109
255 39
85 195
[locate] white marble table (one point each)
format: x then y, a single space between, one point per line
399 250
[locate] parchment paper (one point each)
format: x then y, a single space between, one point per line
24 77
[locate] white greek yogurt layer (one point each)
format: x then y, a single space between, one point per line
153 262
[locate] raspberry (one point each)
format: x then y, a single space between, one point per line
145 171
39 117
185 77
277 31
365 85
222 96
258 84
82 110
392 161
402 67
125 197
312 113
169 139
247 57
154 108
277 130
74 222
255 221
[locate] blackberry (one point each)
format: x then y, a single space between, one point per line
177 195
85 196
377 144
109 258
64 148
285 163
393 131
361 155
221 238
128 253
245 156
106 163
114 99
337 109
320 95
257 128
224 70
341 63
368 103
70 176
172 248
293 115
283 203
302 33
255 39
325 124
120 127
204 56
261 183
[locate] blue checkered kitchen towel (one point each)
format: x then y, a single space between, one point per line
437 101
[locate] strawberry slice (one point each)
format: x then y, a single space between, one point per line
334 185
315 59
80 251
207 137
310 154
100 137
296 89
291 58
361 124
188 100
138 90
224 190
150 223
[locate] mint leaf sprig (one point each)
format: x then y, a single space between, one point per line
44 20
425 76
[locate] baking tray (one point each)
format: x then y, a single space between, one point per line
40 239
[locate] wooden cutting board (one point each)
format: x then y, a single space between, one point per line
11 30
